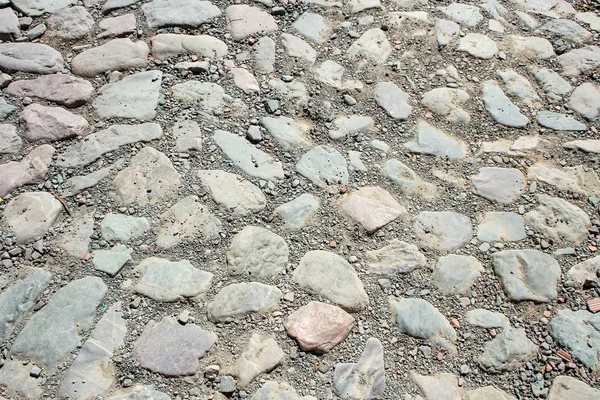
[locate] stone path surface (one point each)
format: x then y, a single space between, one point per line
299 199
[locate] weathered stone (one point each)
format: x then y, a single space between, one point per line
111 261
372 46
17 380
294 92
463 13
446 31
393 100
487 319
210 97
498 226
123 228
93 146
332 74
18 299
10 28
31 169
264 55
407 179
168 45
298 48
455 274
318 326
397 257
248 158
566 387
118 54
70 23
35 58
558 219
364 379
184 13
559 122
188 136
63 89
501 109
585 100
352 125
117 26
262 354
571 179
503 185
431 140
446 102
587 145
519 88
150 178
578 61
92 373
507 351
244 80
357 6
372 207
478 45
585 272
169 281
139 392
323 166
35 8
577 331
240 299
420 319
31 214
442 386
75 236
232 192
590 18
244 21
172 349
186 221
272 390
51 123
298 212
134 96
527 274
5 110
53 332
553 84
528 47
565 29
313 26
288 132
443 230
257 252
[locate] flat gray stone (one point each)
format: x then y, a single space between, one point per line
566 387
35 8
555 86
10 28
585 273
167 45
35 58
171 349
94 145
18 299
585 100
139 392
188 136
446 102
63 89
55 331
364 379
565 29
240 299
332 74
397 257
232 192
487 319
257 253
116 55
587 145
393 100
519 88
78 183
17 380
186 221
51 123
578 61
298 212
456 274
434 141
499 226
210 97
244 21
527 274
149 179
372 47
248 158
578 332
559 122
501 109
371 206
123 228
5 110
351 125
70 23
507 352
111 261
503 185
323 166
558 219
31 169
313 27
443 230
446 31
262 354
298 48
288 133
407 179
31 214
329 275
464 14
92 373
478 45
263 55
134 96
272 390
184 13
10 142
170 281
529 48
420 319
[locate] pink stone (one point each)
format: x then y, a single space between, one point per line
51 123
31 169
244 20
318 326
372 207
117 26
60 88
